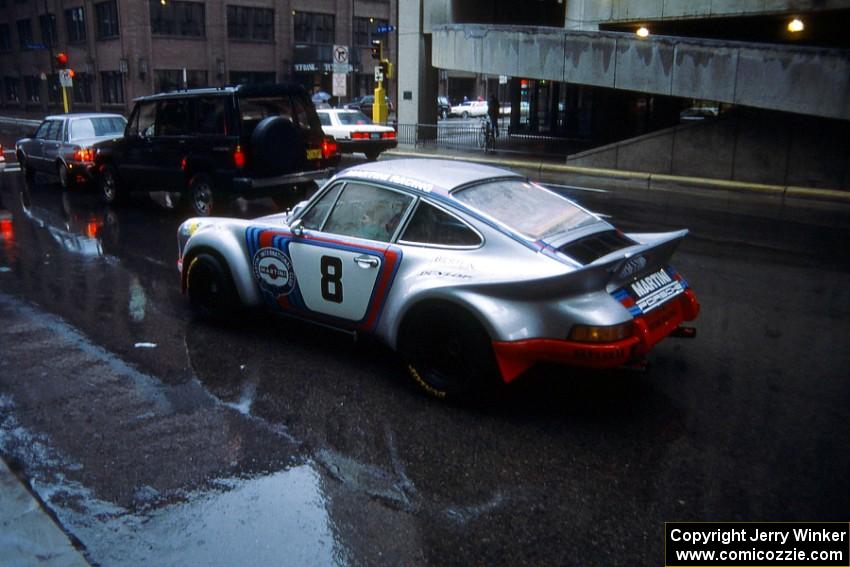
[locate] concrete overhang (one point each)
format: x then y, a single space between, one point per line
803 80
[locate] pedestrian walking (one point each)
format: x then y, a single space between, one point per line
493 112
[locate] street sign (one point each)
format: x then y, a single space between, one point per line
339 84
386 28
340 56
503 79
379 74
65 78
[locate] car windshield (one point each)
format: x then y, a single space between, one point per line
353 118
99 126
525 207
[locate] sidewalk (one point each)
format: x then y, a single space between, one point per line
543 168
28 535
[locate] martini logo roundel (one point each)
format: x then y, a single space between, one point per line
273 271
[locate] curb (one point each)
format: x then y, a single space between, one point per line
28 534
651 181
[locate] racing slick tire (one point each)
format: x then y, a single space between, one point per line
210 288
111 190
201 196
449 355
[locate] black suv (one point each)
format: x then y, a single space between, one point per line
214 145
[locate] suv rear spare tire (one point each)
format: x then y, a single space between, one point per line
276 146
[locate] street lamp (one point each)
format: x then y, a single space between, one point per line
642 32
796 25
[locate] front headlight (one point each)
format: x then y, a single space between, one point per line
601 334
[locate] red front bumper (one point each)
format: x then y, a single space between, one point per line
515 357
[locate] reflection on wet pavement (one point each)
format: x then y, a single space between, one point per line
269 439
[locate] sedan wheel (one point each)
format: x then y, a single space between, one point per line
110 189
64 176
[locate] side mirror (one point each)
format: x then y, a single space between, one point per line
296 228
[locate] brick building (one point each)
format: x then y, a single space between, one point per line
122 49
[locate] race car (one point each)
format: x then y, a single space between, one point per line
471 272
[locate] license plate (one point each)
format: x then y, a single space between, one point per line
375 136
653 290
314 154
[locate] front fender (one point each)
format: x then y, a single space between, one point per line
232 249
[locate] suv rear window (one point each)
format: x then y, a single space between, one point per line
252 110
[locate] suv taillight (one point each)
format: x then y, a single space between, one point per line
329 148
239 157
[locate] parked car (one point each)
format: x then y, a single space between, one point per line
471 272
353 131
64 145
470 108
443 107
364 104
214 145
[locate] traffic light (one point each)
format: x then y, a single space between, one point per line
376 49
387 68
62 60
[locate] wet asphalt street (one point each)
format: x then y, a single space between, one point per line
156 439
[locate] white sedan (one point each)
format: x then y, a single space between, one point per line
355 132
469 108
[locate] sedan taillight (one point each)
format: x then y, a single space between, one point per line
388 135
84 155
359 135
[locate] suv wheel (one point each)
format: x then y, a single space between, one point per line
110 188
201 195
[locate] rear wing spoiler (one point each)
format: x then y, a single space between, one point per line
617 268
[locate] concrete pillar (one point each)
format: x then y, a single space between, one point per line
586 14
417 78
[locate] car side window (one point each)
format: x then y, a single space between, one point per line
41 131
367 211
144 124
173 118
54 130
211 115
325 118
430 225
300 112
314 218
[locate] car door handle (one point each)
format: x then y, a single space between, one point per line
366 261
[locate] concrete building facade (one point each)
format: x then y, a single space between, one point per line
121 49
610 70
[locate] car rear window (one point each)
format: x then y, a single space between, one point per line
353 118
100 126
252 111
527 208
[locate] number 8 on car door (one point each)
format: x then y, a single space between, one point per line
341 254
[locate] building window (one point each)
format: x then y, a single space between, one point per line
255 24
165 80
32 88
13 89
25 34
75 21
106 18
251 77
5 38
112 87
366 29
48 29
176 18
314 28
82 88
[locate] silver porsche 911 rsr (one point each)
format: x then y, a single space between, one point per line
469 271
